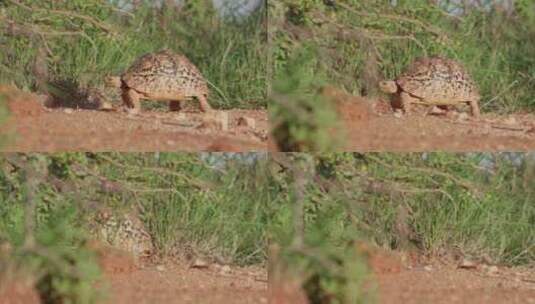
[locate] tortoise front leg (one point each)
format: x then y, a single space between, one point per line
131 101
406 101
205 106
475 108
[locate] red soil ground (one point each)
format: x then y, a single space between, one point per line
405 278
372 125
181 284
33 127
448 284
126 281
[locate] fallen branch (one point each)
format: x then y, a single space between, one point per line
516 128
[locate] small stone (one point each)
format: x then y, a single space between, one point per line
246 122
46 100
398 114
105 106
511 120
160 268
68 111
492 270
463 116
199 264
225 269
437 111
223 120
428 268
467 264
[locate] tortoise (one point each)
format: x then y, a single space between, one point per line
162 76
123 231
435 81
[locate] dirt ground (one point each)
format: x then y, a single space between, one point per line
372 125
178 283
449 284
128 281
407 278
33 127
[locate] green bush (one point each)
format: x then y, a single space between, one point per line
302 119
63 267
329 274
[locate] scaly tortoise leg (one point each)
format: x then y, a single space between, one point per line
131 101
203 102
406 101
475 108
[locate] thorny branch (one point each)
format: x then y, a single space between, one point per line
89 19
30 30
432 29
465 184
184 178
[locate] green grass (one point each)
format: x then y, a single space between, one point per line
449 199
75 44
363 42
181 200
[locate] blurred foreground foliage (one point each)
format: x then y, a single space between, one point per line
476 205
213 205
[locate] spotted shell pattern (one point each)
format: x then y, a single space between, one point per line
125 232
438 80
167 74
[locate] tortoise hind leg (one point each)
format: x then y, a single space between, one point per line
131 101
203 102
475 108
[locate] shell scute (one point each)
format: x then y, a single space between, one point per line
436 80
165 75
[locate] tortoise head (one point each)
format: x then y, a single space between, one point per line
388 86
